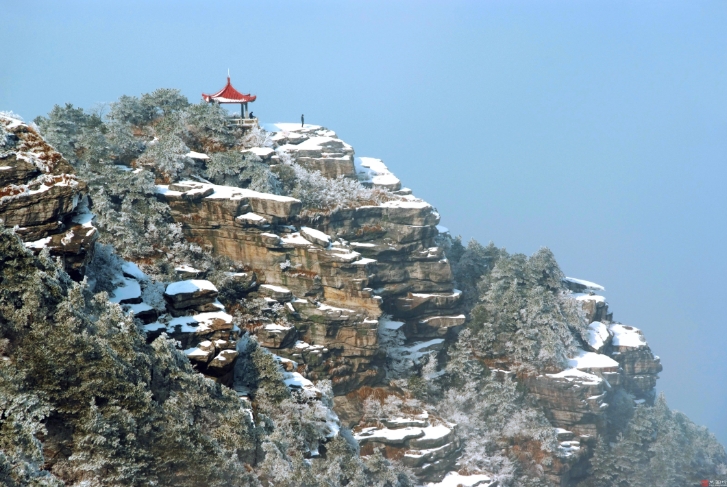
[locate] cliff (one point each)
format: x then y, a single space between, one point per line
351 277
41 197
317 294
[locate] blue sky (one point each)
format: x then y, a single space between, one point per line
595 128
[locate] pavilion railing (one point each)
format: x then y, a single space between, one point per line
242 122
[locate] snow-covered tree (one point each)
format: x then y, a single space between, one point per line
525 315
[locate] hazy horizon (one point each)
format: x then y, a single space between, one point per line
596 129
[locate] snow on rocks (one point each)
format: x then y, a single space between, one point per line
455 479
271 206
187 272
38 244
296 382
591 362
316 236
574 375
194 294
264 153
317 150
197 156
278 293
132 270
253 220
597 336
129 292
627 336
580 285
388 436
274 335
203 352
594 305
143 311
374 172
427 447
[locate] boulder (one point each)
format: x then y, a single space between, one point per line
191 293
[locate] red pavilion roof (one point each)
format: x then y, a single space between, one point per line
228 94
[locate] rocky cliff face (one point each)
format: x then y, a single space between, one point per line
41 197
336 272
577 400
351 278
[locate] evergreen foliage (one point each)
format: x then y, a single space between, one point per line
317 192
469 265
113 410
232 168
492 416
658 447
525 314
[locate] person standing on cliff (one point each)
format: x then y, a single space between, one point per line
302 120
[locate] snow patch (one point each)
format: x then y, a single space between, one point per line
590 360
189 286
586 284
455 479
627 336
597 335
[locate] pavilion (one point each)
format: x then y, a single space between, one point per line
228 94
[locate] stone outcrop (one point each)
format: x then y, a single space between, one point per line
42 199
428 446
317 149
354 281
337 273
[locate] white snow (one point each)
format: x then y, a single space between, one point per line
454 479
362 244
261 152
295 239
590 360
276 289
189 286
224 192
391 325
317 234
199 351
386 434
627 336
38 244
442 229
587 284
138 308
186 268
130 289
435 432
572 374
197 155
252 217
276 327
133 270
325 307
84 219
454 294
597 335
375 171
424 346
414 204
289 127
588 297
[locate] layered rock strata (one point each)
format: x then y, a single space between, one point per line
429 448
576 400
40 196
315 148
336 273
